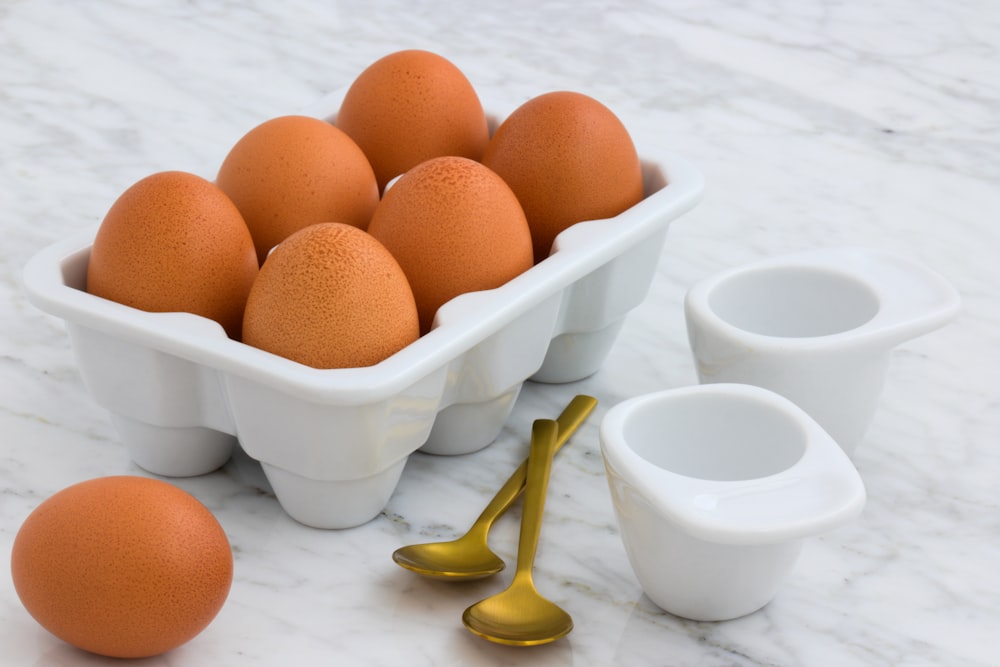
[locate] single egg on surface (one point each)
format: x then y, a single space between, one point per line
124 566
455 227
409 107
568 158
293 171
175 242
331 296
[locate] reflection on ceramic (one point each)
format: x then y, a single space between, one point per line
333 443
816 327
714 488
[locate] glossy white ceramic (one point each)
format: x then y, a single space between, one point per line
333 443
714 488
816 327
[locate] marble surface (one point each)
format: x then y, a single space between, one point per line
815 124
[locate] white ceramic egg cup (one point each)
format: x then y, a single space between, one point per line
816 327
715 487
333 443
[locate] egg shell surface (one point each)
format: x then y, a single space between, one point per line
122 566
174 242
455 227
411 106
293 171
568 158
331 296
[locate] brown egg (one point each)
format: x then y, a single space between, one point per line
455 227
568 158
331 296
123 566
175 242
410 106
293 171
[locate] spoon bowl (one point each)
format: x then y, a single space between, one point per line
520 616
470 557
467 557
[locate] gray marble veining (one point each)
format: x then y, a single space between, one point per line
815 123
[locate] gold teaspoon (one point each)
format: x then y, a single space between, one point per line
469 557
520 616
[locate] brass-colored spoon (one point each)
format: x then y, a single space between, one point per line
520 616
469 557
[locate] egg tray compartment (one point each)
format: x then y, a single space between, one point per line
333 443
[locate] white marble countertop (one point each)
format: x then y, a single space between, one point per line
815 124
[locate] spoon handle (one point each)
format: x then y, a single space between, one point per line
575 414
543 448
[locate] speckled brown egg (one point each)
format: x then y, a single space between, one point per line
410 106
175 242
122 566
455 227
293 171
568 158
331 296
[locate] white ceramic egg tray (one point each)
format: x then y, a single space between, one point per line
333 443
